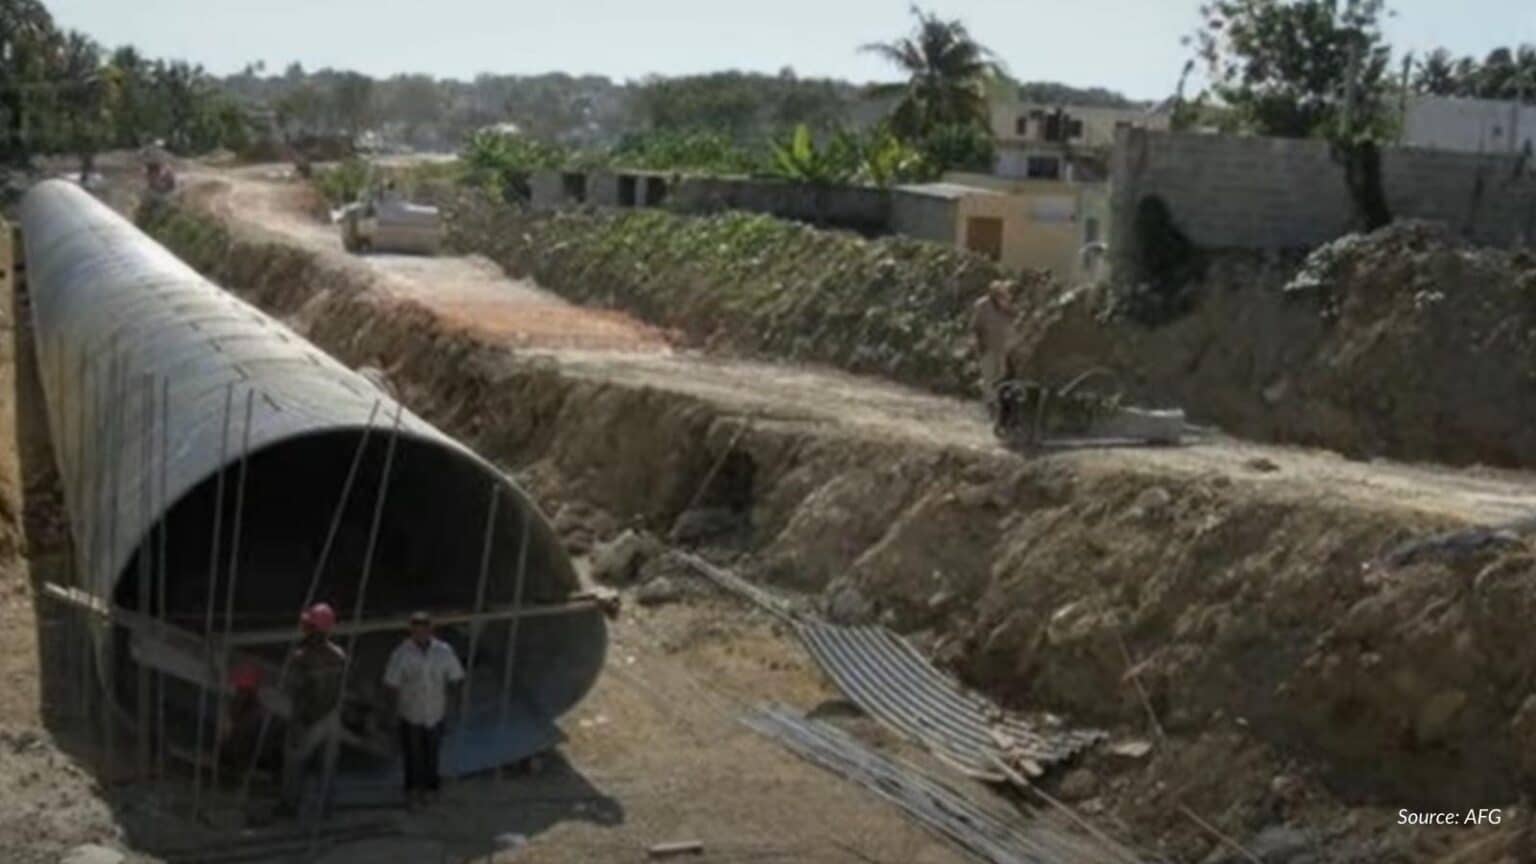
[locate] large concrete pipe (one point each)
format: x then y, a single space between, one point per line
140 357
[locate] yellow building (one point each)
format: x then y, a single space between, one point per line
1022 224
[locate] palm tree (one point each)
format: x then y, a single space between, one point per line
946 72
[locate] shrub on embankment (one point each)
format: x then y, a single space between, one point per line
753 285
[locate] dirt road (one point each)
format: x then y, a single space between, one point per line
611 346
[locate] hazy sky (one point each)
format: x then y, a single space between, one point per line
1127 45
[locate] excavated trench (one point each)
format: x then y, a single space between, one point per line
1258 616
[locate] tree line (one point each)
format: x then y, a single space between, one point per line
61 92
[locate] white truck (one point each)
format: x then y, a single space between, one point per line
382 221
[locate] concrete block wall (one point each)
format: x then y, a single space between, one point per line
546 188
927 217
856 208
1229 192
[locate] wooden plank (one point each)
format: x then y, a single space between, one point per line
402 622
673 849
134 621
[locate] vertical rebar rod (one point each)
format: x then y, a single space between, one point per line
211 602
328 774
160 568
84 542
75 617
314 587
478 625
107 651
512 627
232 579
141 700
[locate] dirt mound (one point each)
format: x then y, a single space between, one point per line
1405 343
752 285
1283 632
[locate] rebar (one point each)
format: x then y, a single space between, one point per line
478 626
210 600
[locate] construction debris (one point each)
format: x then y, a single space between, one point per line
884 675
986 834
676 848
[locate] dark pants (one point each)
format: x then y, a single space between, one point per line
419 745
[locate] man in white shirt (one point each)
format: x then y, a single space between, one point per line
421 672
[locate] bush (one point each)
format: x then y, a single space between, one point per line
503 162
703 152
343 183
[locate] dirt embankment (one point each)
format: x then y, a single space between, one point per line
1406 344
1264 617
752 285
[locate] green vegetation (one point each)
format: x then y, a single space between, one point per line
752 284
1291 67
60 92
740 106
343 182
798 158
493 160
702 151
942 108
1504 74
1308 68
947 79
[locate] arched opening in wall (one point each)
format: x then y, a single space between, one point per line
429 552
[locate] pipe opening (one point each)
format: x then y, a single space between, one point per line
428 555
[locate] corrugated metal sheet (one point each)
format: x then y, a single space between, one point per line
884 675
989 834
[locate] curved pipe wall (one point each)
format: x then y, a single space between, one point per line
131 342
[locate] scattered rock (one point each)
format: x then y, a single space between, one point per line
510 842
1078 785
1134 748
658 591
1286 788
703 524
618 561
1261 465
90 853
1150 504
846 604
1282 844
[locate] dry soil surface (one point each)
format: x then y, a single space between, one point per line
612 346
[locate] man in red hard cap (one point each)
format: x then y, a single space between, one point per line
314 686
242 727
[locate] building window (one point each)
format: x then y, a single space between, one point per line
1042 168
1075 129
575 186
655 191
1053 126
627 189
1021 128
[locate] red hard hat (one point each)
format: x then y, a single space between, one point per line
320 616
245 676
